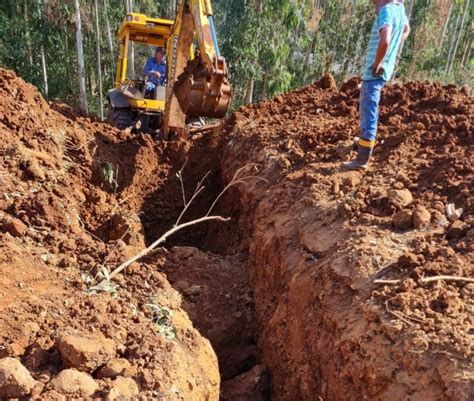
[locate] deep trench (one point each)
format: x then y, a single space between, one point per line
234 338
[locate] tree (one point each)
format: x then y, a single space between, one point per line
80 59
99 67
109 37
271 46
128 10
456 39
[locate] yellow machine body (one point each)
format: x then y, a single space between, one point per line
196 85
146 30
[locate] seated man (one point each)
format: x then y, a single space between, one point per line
155 71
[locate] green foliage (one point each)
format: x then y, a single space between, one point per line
277 45
163 318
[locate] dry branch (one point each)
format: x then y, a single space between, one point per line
397 314
236 179
447 278
199 188
425 280
162 239
179 174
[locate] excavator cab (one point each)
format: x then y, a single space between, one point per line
196 82
139 35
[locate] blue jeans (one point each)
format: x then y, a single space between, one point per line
369 107
149 88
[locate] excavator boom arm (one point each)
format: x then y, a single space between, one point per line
196 87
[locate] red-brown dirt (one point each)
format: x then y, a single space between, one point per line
320 237
74 223
284 291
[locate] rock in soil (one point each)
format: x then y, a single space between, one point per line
85 353
403 219
400 198
123 388
114 368
421 217
15 227
457 229
15 380
74 383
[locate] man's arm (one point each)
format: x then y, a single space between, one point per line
149 72
147 68
384 43
406 32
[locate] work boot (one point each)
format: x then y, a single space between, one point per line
355 143
361 161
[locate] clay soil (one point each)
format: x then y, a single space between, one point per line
315 289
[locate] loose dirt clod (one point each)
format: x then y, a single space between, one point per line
14 226
123 389
403 219
85 353
400 198
74 383
421 217
15 380
114 368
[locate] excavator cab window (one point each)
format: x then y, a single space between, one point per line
139 54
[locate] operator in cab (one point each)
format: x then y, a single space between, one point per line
155 71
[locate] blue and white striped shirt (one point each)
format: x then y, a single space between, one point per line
392 15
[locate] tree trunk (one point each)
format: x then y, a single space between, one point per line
109 36
173 5
458 36
99 67
445 28
400 49
131 65
265 86
27 34
249 92
451 46
410 9
467 48
69 74
45 72
80 60
43 57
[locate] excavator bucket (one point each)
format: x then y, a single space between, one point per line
204 94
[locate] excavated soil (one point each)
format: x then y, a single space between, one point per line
66 220
321 237
317 288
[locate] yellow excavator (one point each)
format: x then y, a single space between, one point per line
196 83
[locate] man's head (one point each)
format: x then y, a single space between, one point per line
159 54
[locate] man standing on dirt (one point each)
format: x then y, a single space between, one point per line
155 71
389 31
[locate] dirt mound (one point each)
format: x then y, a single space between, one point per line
349 305
72 190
